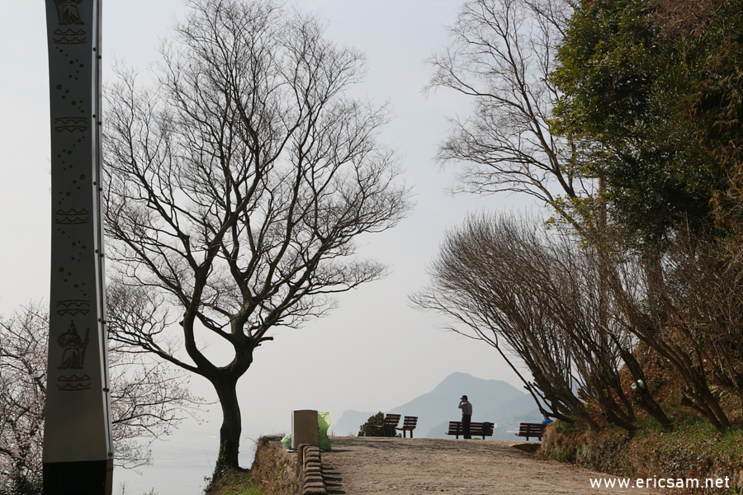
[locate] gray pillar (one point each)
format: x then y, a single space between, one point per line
78 449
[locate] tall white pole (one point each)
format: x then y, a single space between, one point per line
78 449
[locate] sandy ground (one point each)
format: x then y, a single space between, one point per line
393 466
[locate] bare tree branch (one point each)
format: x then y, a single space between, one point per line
501 55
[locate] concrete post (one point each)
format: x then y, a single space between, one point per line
305 428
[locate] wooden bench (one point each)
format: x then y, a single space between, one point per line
390 423
408 424
476 429
531 430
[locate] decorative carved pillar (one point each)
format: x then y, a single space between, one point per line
78 449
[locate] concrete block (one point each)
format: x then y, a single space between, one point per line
305 428
314 489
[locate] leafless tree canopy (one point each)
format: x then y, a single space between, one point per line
23 351
147 401
505 284
541 298
575 316
238 181
501 55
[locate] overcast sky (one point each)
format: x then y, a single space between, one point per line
374 352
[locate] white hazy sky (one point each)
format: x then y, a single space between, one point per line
374 352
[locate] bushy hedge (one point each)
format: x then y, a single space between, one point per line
368 429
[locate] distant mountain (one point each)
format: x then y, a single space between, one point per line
492 400
350 422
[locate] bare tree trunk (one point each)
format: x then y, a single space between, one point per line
229 432
644 397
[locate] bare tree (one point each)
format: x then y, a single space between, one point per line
680 303
238 182
574 297
148 399
540 297
501 55
602 341
498 278
713 309
690 319
23 351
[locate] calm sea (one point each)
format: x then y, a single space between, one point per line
180 463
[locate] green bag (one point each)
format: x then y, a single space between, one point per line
323 423
287 441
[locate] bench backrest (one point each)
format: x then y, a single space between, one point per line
532 428
475 428
391 421
410 421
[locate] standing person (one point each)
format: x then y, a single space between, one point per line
466 408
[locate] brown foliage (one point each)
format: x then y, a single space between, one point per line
538 297
682 17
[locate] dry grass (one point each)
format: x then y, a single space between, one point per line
274 470
234 482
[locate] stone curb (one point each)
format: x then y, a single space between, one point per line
309 470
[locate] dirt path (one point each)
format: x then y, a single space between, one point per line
393 466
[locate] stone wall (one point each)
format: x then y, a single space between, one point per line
287 473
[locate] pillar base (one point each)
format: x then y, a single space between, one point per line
78 478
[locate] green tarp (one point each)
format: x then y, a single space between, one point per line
323 423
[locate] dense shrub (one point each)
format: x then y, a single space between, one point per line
368 429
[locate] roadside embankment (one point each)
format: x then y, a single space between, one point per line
278 472
274 472
274 469
396 466
688 456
